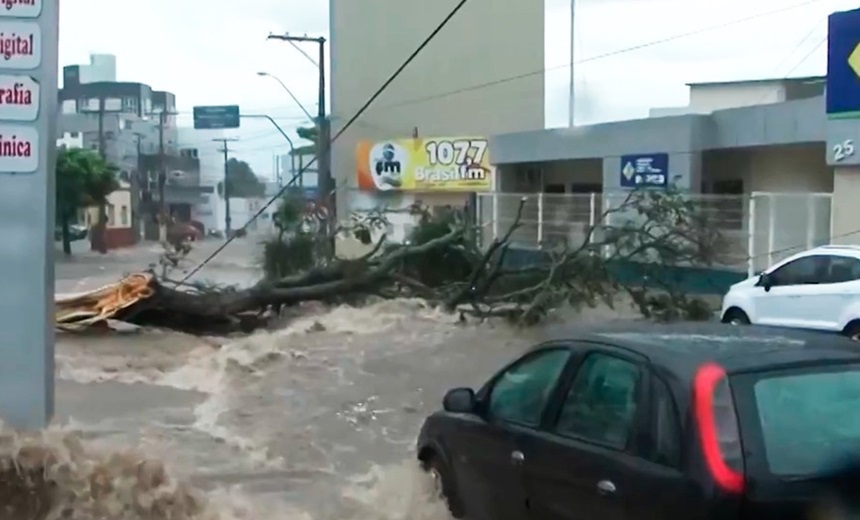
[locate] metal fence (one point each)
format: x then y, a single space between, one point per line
761 227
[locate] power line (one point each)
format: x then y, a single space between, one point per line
349 123
625 50
807 56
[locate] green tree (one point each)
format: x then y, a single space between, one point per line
242 181
84 179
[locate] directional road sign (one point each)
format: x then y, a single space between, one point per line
216 117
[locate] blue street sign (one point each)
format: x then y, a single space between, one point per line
211 118
645 170
843 65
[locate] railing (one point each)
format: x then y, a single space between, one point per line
761 228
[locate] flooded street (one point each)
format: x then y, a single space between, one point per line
314 419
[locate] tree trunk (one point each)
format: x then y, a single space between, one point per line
67 235
101 230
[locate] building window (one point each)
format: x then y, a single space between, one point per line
123 216
111 215
74 135
129 104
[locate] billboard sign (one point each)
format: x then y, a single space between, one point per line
433 164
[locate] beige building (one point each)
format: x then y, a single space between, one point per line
459 85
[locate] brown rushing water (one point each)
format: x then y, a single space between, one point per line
314 420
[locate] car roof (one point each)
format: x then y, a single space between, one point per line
682 347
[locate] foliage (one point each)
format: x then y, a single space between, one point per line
242 182
633 250
291 250
443 265
84 179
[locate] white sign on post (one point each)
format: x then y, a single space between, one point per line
19 98
28 107
20 8
20 45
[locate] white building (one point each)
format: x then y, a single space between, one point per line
289 165
437 94
102 67
70 140
202 145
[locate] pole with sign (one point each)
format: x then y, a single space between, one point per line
28 107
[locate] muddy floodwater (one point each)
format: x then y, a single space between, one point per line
314 419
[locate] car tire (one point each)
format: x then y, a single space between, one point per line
736 317
852 331
441 475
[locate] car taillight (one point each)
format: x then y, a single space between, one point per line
719 435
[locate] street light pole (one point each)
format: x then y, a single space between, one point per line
288 91
323 124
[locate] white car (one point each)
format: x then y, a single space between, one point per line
818 289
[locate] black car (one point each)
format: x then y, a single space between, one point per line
654 422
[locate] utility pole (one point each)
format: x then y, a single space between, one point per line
226 150
139 185
162 173
325 184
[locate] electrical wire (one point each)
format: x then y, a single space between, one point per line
617 52
343 129
806 56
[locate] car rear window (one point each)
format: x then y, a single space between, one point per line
810 421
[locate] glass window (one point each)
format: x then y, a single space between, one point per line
806 270
123 216
843 269
521 392
809 421
666 426
601 403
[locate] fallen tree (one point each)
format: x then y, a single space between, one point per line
445 263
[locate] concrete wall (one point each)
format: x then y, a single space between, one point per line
487 40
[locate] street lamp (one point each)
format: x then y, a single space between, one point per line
288 91
323 128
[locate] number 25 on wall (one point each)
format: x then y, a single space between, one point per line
843 150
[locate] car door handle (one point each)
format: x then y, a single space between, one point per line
605 487
517 457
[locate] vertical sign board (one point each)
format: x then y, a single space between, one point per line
843 88
843 65
644 170
28 107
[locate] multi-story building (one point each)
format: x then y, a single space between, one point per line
102 67
481 75
135 128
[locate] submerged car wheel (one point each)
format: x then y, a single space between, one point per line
736 317
442 484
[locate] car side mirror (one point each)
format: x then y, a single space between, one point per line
765 281
460 400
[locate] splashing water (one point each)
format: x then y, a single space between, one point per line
315 420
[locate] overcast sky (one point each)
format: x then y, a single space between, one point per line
208 52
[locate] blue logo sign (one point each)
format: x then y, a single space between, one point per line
211 118
645 170
843 65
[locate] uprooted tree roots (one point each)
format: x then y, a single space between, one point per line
444 263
